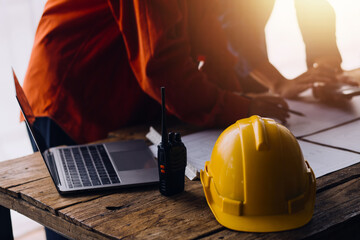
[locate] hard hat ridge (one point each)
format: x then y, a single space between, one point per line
261 138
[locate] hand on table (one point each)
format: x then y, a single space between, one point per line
292 88
271 106
329 92
325 77
351 77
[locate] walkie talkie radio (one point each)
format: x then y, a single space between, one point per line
171 158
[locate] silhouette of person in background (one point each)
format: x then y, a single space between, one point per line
244 22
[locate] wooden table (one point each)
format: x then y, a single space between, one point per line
142 213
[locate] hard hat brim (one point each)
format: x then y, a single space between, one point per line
273 223
267 223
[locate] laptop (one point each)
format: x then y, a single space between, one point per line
90 167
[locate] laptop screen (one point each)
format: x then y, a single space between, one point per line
29 116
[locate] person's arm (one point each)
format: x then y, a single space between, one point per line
317 23
156 36
244 23
277 84
247 37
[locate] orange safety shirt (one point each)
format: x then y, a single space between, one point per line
98 65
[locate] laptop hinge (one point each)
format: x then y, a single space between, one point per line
51 163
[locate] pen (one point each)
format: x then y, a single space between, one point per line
295 112
288 110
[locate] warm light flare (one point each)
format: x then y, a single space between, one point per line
348 31
285 46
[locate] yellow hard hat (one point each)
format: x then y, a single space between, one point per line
257 179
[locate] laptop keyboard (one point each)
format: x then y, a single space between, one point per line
87 166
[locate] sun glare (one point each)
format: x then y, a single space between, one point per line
284 42
348 31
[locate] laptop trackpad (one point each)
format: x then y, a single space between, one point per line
132 160
131 155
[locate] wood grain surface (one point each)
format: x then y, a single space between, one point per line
143 213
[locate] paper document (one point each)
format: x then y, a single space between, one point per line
346 136
199 147
322 159
319 116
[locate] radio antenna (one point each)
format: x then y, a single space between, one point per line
164 133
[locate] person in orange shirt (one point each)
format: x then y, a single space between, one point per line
97 66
